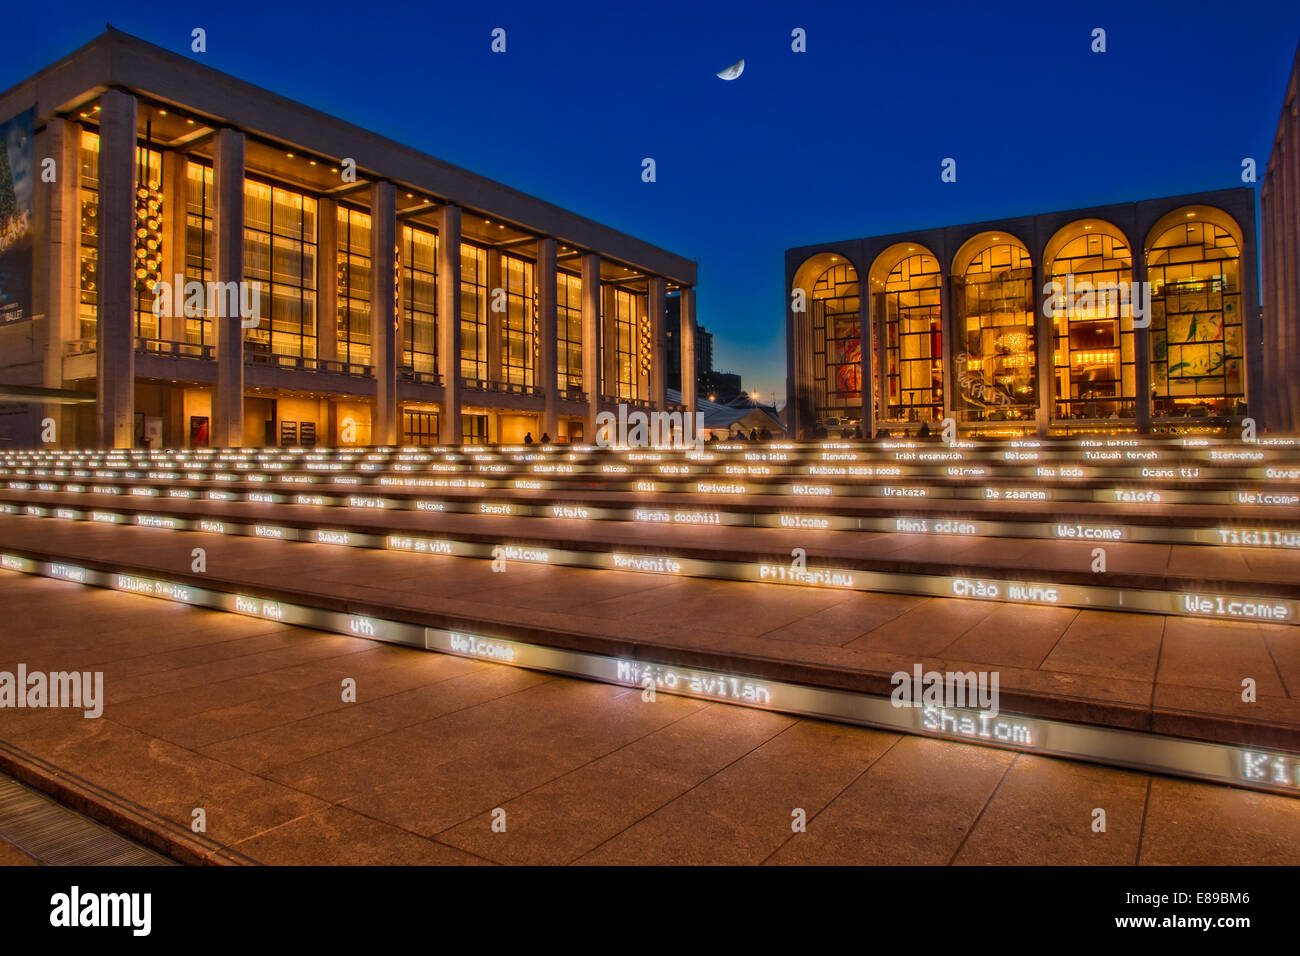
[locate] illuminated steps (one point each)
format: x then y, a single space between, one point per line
989 520
1269 503
1156 591
1066 470
887 483
1245 765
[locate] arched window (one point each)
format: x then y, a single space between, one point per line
909 312
1093 355
1197 348
828 341
995 367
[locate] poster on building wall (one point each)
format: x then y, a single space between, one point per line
17 216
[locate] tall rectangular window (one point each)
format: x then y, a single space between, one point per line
474 429
280 256
88 299
1197 336
473 312
519 323
837 343
626 345
420 299
354 286
198 245
419 427
568 324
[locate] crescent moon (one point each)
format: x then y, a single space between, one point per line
733 71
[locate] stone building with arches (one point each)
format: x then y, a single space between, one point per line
1137 317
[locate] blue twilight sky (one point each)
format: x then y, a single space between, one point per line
842 141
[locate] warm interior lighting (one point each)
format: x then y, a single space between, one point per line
1093 358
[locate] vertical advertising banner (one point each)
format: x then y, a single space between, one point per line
17 217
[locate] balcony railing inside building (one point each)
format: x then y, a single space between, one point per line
419 377
307 363
175 349
614 401
509 388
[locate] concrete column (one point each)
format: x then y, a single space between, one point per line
793 353
948 341
115 330
1288 261
175 195
547 377
1265 415
1282 322
876 373
228 266
327 280
1274 412
688 349
1142 348
449 425
61 277
1255 387
383 310
400 343
1288 224
591 364
655 313
494 319
1044 342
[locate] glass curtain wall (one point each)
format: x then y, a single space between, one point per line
353 259
519 321
473 312
198 245
280 257
419 272
568 298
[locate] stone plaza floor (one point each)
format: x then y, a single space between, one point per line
244 719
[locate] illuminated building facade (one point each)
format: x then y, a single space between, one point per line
399 299
1047 324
